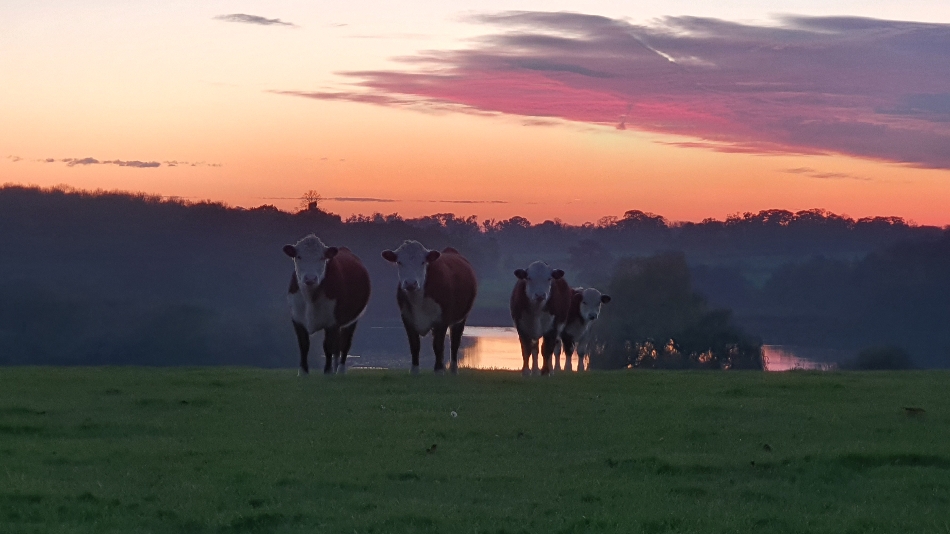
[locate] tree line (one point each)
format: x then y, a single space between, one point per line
112 277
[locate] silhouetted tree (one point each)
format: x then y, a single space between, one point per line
310 200
656 320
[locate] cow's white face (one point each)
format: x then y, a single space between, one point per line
538 278
411 259
591 299
310 257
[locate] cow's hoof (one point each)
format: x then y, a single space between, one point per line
440 372
535 372
526 372
455 370
303 372
341 370
414 371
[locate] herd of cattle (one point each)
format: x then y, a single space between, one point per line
330 288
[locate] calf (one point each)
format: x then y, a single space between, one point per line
435 292
328 291
584 310
539 305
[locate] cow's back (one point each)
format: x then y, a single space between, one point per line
347 282
451 283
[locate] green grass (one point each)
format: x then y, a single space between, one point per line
236 450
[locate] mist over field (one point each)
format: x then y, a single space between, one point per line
115 278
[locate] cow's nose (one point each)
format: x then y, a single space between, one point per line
592 316
539 297
410 285
309 281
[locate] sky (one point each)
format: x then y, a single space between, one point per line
555 109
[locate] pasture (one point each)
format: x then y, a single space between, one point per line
246 450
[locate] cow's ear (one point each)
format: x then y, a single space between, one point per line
433 255
605 298
389 255
290 250
331 252
557 274
521 274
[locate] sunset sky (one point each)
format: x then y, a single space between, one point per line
563 109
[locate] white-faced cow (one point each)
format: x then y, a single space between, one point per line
436 292
328 291
539 305
584 310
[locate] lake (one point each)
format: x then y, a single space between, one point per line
486 347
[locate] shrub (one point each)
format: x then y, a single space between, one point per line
887 358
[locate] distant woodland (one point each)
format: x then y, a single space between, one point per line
118 278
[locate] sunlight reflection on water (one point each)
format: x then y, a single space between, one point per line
498 348
489 347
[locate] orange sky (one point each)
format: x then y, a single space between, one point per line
185 87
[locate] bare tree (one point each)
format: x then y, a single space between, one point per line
310 201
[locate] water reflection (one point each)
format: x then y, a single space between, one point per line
490 348
498 348
785 358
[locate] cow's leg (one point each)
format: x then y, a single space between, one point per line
568 344
547 351
456 338
303 341
346 341
581 355
438 347
534 357
331 347
414 346
557 356
525 354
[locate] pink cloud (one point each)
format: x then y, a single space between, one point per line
868 88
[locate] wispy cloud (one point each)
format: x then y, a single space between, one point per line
361 199
73 162
175 163
814 173
387 200
467 201
254 19
14 159
869 88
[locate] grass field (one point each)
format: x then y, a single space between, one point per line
241 450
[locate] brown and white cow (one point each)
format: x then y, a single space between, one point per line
584 310
435 293
328 291
539 305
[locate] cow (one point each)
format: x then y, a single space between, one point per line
584 310
329 289
539 305
436 292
